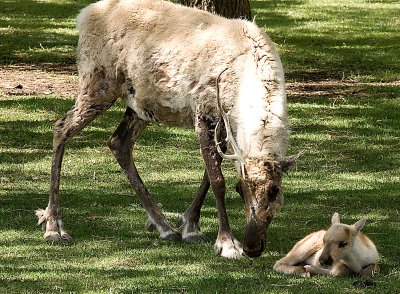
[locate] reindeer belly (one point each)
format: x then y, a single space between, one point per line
170 116
169 111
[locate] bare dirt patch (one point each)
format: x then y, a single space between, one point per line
62 80
46 79
332 87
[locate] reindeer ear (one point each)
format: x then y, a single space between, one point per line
287 161
335 218
360 224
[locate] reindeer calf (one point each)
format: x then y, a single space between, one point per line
340 251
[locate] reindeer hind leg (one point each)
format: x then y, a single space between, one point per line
94 98
189 221
121 143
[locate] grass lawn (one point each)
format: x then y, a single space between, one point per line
342 60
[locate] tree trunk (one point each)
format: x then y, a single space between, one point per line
226 8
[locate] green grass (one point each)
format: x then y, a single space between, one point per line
350 133
38 31
353 40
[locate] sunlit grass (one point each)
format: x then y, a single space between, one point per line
349 40
346 168
349 134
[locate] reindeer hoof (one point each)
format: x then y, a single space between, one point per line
229 248
190 231
172 236
304 271
166 231
54 227
66 237
52 237
56 238
194 238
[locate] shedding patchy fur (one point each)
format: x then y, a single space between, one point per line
175 78
163 59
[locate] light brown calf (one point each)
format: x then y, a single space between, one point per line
341 250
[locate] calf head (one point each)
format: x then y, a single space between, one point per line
339 240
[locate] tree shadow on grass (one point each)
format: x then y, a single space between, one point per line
372 154
365 134
35 134
116 223
339 42
34 31
142 265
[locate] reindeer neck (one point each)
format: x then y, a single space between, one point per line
260 112
363 253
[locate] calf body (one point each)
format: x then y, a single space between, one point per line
163 59
341 250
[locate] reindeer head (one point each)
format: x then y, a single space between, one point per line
261 190
339 240
259 186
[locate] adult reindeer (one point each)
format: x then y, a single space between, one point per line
183 66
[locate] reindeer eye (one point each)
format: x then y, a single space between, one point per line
272 193
342 244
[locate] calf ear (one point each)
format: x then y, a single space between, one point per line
288 161
360 224
335 218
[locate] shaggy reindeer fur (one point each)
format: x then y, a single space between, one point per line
173 67
163 59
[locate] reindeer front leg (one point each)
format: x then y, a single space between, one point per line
189 221
226 245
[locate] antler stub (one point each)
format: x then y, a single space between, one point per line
229 137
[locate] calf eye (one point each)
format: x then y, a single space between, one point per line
342 244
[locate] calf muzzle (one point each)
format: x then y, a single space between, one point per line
326 260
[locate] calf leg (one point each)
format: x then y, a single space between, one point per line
306 251
338 269
94 98
370 270
293 263
226 245
121 143
317 270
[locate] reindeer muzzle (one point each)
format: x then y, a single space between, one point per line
254 240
